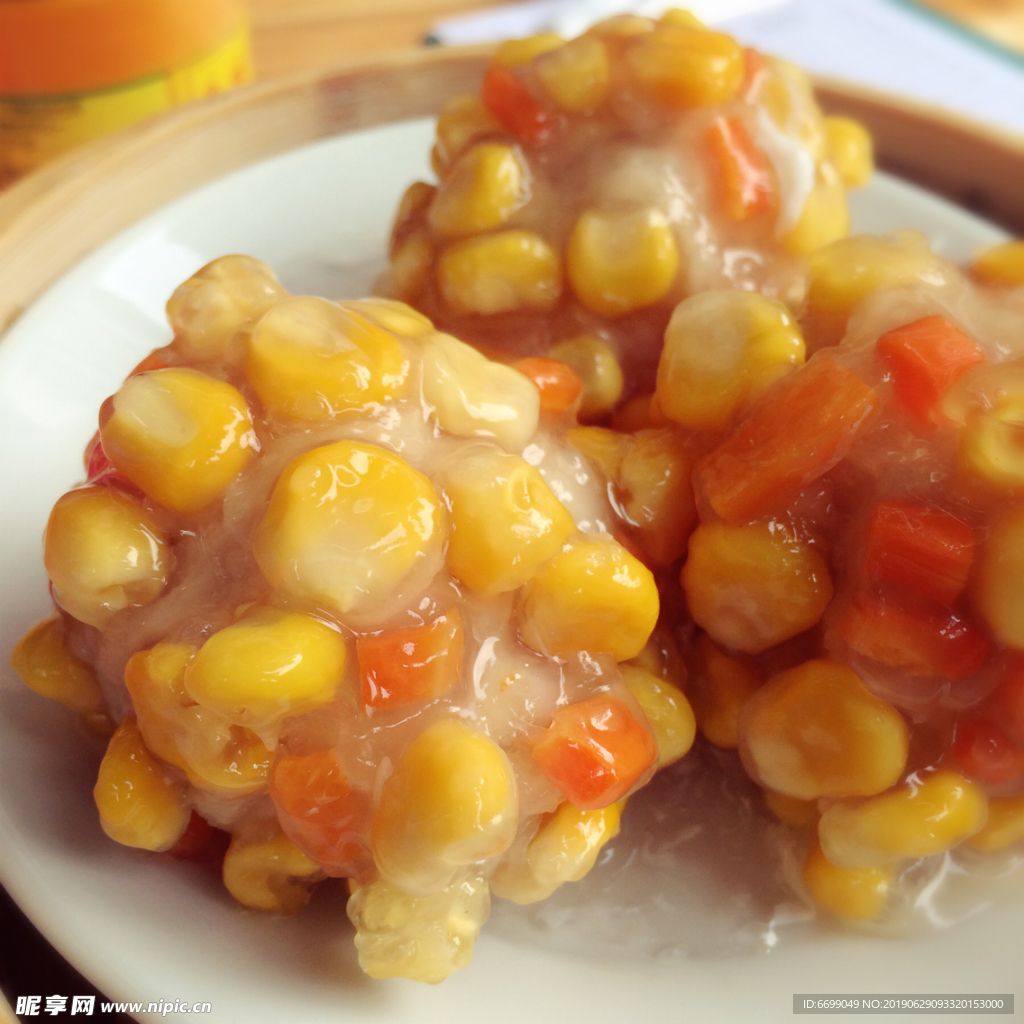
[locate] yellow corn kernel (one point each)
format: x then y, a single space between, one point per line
852 151
179 435
1001 265
927 814
593 596
413 206
825 217
139 804
668 712
267 665
265 870
846 272
215 754
450 802
655 491
686 67
423 938
677 17
103 552
719 687
621 260
722 350
597 365
639 413
45 664
310 360
208 311
603 447
500 273
505 520
514 53
789 810
817 730
462 120
471 396
410 266
751 587
576 76
854 894
998 595
991 446
347 525
484 187
397 317
1004 827
564 849
661 658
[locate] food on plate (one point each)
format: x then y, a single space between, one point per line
348 603
855 575
594 183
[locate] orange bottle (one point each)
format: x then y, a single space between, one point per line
74 69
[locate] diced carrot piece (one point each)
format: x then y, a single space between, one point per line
508 98
926 357
320 811
925 549
558 383
924 642
807 425
595 751
201 842
151 362
401 666
983 750
747 181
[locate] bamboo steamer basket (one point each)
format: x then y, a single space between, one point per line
57 215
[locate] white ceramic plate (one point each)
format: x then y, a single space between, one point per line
145 929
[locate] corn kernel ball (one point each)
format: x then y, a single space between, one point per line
592 596
597 366
483 189
854 894
927 814
347 525
505 520
267 665
817 730
825 217
462 120
265 870
45 664
179 435
139 804
471 396
751 587
686 67
564 849
668 712
502 272
208 311
215 754
311 360
718 687
451 801
851 149
621 260
424 938
515 53
390 314
723 349
104 552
